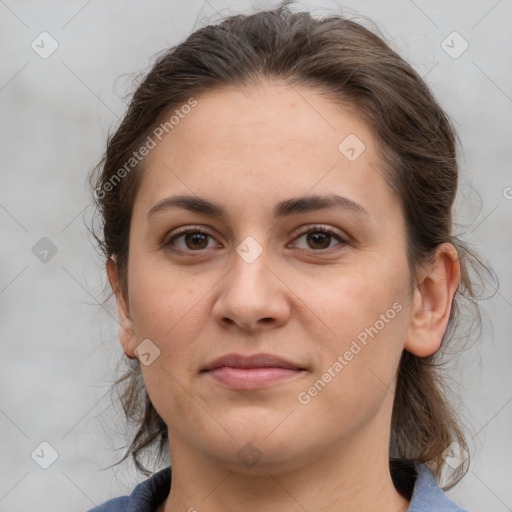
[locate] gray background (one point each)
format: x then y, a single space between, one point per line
59 348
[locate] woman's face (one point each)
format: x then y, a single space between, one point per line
264 171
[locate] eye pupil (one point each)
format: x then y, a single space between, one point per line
319 237
196 238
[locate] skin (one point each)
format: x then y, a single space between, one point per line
248 149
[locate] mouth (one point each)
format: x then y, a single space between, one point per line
252 372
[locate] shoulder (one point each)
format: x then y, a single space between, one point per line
145 497
427 496
115 505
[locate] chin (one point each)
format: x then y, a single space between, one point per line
258 447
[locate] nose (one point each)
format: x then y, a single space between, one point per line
252 296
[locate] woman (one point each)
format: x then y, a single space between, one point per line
277 216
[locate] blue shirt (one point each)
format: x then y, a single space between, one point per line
426 496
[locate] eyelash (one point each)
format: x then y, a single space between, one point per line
305 231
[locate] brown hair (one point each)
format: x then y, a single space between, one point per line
418 144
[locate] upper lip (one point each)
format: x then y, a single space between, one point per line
252 361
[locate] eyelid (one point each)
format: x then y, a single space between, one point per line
184 230
310 228
344 239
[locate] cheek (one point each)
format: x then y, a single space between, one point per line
367 344
368 298
356 374
367 314
163 299
171 312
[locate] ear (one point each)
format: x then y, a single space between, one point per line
432 302
126 332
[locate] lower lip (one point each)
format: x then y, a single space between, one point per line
252 378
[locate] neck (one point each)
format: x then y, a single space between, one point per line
351 477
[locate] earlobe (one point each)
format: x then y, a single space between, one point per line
432 302
126 334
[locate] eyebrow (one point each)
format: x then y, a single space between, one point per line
285 208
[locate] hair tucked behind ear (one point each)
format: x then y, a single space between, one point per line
418 145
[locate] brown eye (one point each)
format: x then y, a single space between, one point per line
320 238
190 240
196 240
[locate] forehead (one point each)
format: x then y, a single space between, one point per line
271 116
266 141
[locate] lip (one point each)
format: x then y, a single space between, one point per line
255 371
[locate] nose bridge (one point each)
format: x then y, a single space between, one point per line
250 293
250 270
